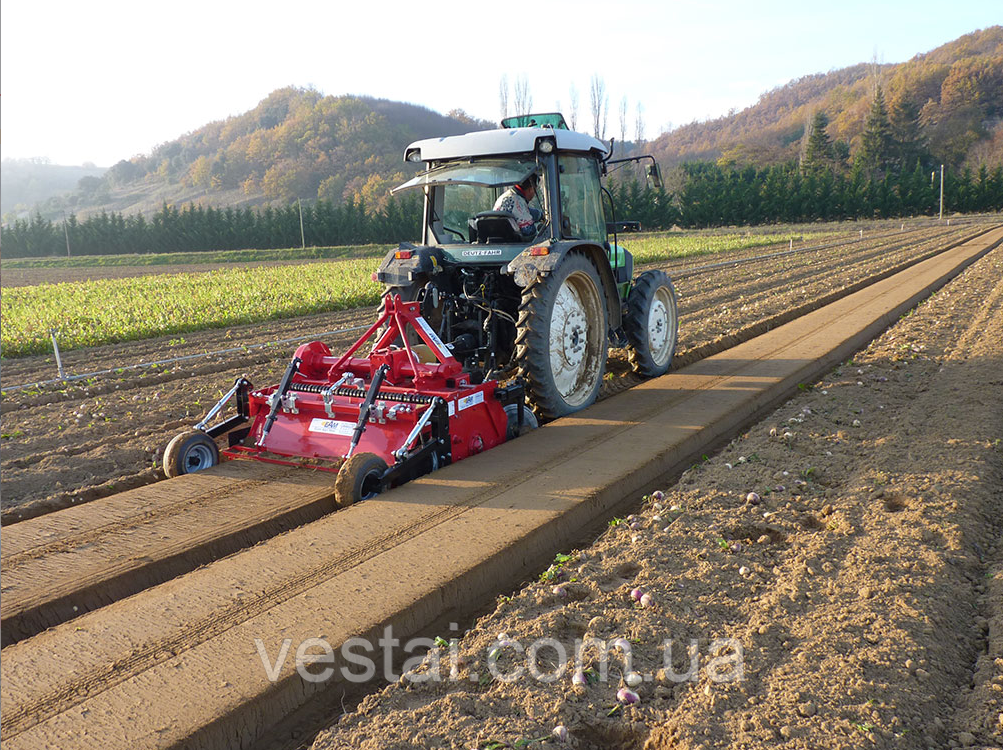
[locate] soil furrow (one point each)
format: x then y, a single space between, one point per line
41 432
861 579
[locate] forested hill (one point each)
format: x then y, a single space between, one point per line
296 143
955 92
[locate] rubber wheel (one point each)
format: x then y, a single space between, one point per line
561 338
529 421
190 452
359 478
652 323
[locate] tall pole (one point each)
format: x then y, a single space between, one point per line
302 235
66 233
941 217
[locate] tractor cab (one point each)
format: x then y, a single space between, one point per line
465 175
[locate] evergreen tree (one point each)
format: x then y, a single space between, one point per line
875 153
908 143
817 154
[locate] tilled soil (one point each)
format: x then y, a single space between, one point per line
71 442
837 571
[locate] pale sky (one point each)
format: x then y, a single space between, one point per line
103 80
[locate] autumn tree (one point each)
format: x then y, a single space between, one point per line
599 106
503 96
523 97
573 104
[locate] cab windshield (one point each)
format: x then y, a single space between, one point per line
458 191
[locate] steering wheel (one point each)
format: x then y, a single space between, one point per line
457 232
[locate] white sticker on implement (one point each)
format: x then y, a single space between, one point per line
332 426
443 351
472 400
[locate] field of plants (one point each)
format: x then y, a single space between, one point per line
219 256
103 311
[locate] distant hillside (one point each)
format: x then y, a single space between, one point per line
956 89
26 182
296 143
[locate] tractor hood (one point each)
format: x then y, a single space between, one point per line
498 143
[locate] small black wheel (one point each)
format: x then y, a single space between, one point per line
359 478
190 452
529 421
652 323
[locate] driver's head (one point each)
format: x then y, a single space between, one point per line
528 187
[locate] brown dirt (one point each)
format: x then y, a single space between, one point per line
65 444
864 584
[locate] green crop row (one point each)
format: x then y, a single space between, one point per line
90 313
216 257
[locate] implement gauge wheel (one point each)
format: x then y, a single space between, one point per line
359 478
652 323
190 452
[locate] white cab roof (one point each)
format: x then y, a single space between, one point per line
507 141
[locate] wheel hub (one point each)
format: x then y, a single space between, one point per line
199 457
658 328
573 342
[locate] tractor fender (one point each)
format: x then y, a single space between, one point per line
401 271
526 268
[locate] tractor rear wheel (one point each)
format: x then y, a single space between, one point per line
561 338
359 478
190 452
652 323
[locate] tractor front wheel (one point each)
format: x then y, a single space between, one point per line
652 323
190 452
359 478
561 341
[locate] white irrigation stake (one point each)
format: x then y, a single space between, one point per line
55 349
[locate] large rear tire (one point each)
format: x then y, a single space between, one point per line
190 452
652 323
561 338
359 478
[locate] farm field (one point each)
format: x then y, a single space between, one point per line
848 547
861 585
130 303
67 443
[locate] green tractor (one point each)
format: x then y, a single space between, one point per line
541 298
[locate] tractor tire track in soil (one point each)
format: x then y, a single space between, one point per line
64 446
863 580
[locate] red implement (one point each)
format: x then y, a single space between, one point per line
412 405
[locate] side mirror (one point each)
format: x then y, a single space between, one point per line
654 175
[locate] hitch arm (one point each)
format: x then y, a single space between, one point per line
366 406
276 398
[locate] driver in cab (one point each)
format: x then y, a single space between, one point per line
516 199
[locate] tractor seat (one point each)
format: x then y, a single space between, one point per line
489 227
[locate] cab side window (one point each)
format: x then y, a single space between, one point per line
581 200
